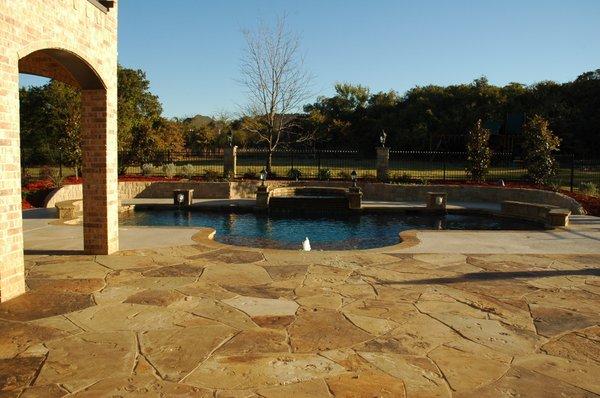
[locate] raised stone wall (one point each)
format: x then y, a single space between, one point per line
371 191
160 189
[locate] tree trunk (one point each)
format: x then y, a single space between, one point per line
269 162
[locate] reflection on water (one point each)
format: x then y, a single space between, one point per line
326 233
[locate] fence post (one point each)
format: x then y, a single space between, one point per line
318 163
60 164
572 171
230 161
383 163
444 156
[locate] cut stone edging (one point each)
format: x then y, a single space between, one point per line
371 192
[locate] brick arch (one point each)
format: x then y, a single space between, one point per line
63 65
73 41
72 69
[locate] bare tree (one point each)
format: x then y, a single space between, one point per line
277 85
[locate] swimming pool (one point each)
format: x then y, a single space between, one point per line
335 232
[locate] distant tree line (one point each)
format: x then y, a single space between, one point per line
424 118
427 118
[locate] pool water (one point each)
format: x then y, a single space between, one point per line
341 232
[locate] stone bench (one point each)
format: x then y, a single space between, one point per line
559 217
552 215
69 209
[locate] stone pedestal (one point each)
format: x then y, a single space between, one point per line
354 198
230 162
262 197
436 200
183 197
559 217
383 163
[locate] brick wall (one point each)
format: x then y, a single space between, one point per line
75 42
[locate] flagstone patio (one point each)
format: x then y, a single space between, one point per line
205 320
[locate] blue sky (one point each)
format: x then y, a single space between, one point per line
191 49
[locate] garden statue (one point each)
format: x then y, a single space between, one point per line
382 138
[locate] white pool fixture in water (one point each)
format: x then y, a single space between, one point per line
306 245
439 200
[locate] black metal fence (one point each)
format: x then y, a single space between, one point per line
404 166
208 162
320 164
444 166
449 166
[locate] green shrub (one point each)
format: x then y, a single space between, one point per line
422 181
324 174
344 175
478 152
188 171
211 175
402 178
26 177
49 173
385 177
588 188
147 169
539 145
294 174
368 176
555 187
251 175
169 170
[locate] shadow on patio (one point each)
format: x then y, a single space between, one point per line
487 276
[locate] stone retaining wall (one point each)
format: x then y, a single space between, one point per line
371 191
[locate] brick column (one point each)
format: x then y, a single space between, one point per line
230 161
12 273
383 163
100 186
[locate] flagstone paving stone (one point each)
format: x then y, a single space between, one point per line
256 306
316 388
174 353
16 337
227 322
155 297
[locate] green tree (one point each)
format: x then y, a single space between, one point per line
139 111
50 120
539 146
478 152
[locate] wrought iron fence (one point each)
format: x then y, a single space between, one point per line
403 166
321 164
444 166
187 163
